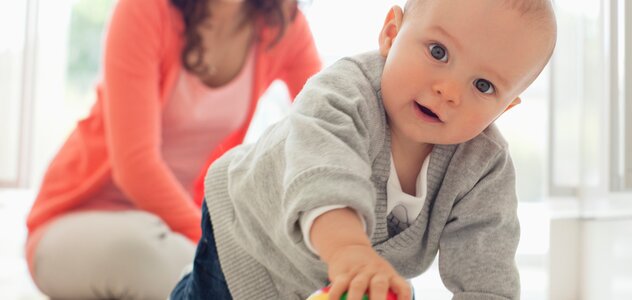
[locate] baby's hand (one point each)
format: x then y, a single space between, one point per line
358 268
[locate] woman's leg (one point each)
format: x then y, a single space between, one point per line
206 280
110 255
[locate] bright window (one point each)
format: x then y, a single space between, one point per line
13 20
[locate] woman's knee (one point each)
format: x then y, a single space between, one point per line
140 258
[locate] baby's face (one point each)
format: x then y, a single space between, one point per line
454 66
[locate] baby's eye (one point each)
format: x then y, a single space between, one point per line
484 86
438 52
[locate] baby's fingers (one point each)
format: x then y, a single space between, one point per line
401 288
379 287
358 286
339 285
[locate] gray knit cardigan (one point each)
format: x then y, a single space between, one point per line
334 149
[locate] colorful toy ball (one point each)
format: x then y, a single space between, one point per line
323 294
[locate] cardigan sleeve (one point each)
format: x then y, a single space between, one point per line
485 222
133 115
303 59
317 156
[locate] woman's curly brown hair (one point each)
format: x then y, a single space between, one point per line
195 12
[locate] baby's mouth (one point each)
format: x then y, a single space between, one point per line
426 111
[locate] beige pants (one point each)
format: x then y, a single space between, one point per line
110 255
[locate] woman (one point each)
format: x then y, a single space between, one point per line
114 217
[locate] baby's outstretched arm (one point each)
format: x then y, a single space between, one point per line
339 237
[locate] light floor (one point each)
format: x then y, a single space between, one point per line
15 283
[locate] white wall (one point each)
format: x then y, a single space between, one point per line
591 259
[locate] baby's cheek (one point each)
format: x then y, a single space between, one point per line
474 126
480 122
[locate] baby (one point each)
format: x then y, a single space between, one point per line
386 159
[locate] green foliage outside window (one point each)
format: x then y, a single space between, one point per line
85 51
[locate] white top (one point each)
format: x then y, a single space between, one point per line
405 207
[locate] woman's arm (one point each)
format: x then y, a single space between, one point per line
133 115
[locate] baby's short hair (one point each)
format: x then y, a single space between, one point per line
525 7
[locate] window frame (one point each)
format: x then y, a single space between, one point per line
620 87
605 176
627 27
21 176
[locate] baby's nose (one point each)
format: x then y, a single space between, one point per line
448 90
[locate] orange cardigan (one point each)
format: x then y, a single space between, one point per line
121 136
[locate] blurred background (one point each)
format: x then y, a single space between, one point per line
571 138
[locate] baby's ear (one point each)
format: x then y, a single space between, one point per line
513 103
391 27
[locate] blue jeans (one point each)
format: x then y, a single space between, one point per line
206 281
